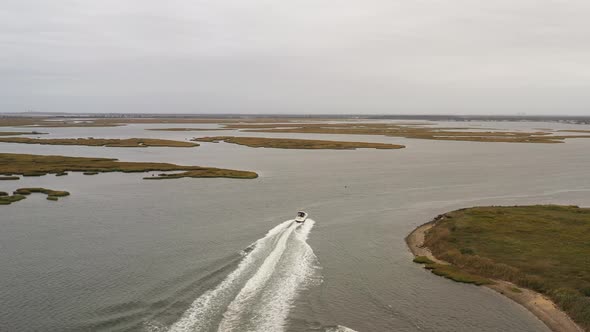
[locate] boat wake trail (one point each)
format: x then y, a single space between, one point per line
258 294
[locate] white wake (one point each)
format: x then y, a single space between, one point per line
258 294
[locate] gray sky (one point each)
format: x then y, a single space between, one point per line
304 56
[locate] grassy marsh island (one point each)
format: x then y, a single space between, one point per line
535 255
289 143
22 193
407 131
187 129
123 143
4 178
16 133
38 165
115 122
206 172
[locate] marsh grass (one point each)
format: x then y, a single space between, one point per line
123 143
15 133
289 143
38 165
22 193
206 173
3 178
545 248
407 131
6 200
422 260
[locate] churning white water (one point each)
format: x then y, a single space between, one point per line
258 294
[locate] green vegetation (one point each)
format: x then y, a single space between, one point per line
6 200
22 193
407 131
90 173
451 272
208 172
455 274
37 165
422 260
28 191
544 248
288 143
9 177
123 143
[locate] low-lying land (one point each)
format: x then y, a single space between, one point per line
542 249
122 121
9 178
121 143
22 193
16 133
407 131
38 165
187 129
289 143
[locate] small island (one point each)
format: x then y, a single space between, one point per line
291 143
119 143
535 255
417 131
39 165
187 129
22 193
16 133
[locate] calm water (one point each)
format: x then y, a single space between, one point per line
124 254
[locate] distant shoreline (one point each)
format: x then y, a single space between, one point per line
539 305
570 119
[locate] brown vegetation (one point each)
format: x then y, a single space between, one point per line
407 131
543 248
289 143
126 143
15 133
22 193
37 165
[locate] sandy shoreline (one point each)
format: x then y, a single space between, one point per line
542 307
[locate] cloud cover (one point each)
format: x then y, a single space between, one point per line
306 56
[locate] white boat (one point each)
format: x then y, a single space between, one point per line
301 216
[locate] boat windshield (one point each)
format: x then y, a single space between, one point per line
300 214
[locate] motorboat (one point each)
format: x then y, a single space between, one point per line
301 216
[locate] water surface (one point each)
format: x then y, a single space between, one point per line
124 254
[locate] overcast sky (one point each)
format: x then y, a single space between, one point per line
304 56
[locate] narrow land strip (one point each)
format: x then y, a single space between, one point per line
111 142
289 143
39 165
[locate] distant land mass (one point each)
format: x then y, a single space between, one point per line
432 117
